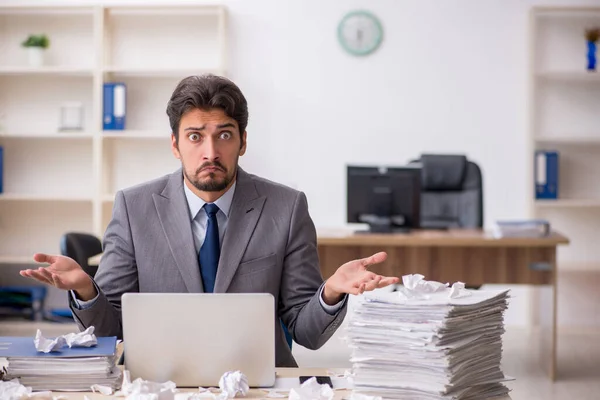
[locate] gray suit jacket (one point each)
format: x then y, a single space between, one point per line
269 247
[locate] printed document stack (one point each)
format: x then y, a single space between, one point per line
63 369
428 341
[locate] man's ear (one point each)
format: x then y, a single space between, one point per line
244 143
175 147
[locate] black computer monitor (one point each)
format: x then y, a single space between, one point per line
386 198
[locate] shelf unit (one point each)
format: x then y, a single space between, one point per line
569 76
584 140
54 181
565 117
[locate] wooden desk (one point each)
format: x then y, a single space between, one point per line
95 260
471 256
253 394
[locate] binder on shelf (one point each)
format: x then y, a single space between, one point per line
1 168
114 105
546 174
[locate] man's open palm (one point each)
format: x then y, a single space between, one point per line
355 278
63 272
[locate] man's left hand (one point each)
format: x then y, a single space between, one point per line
354 278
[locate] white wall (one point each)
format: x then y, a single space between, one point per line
450 76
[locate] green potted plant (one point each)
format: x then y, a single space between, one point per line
36 45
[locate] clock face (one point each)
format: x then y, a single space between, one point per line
360 33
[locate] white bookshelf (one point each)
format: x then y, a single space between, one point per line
569 76
565 117
54 181
584 140
568 203
46 71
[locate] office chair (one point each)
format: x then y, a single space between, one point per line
80 247
451 192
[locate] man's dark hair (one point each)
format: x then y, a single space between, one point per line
206 92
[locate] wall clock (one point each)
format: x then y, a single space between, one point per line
360 33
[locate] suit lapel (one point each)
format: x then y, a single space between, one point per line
174 215
245 211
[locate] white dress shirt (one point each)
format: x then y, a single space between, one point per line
200 219
199 222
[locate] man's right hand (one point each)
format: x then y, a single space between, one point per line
63 273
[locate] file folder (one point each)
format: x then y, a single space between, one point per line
73 369
546 174
1 168
114 106
23 346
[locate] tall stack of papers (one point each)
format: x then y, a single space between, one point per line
428 341
62 369
526 228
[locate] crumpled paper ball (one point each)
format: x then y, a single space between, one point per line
141 389
312 390
80 339
458 290
233 383
14 390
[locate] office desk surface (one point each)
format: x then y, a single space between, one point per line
253 394
438 238
425 238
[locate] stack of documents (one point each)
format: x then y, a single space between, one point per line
428 341
526 228
66 369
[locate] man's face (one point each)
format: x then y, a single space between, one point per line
209 147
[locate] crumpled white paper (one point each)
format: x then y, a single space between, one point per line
13 390
417 283
105 390
312 390
80 339
233 383
140 389
47 345
416 287
458 290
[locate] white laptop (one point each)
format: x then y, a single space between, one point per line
193 339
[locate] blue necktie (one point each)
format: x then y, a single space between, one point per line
210 250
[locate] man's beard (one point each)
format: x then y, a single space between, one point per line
211 184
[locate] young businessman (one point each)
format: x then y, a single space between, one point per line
212 227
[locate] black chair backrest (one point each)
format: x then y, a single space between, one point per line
80 247
451 192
